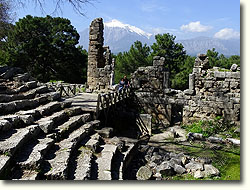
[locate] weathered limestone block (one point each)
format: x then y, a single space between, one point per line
234 67
220 75
234 85
194 166
210 170
144 173
201 61
208 84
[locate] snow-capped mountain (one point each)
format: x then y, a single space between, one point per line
117 24
119 37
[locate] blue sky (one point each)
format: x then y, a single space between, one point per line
183 18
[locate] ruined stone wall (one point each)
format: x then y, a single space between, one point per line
212 92
100 65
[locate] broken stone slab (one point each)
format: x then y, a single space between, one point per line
104 161
5 125
21 89
41 90
233 141
31 84
4 161
18 138
174 161
57 117
43 99
36 156
53 96
6 98
198 174
7 107
165 169
71 124
234 67
117 142
210 170
92 144
179 169
22 77
46 125
49 108
25 104
195 136
83 164
30 175
105 132
34 113
73 111
27 119
144 173
11 72
60 163
81 132
218 74
194 166
215 139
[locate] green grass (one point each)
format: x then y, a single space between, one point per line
226 160
214 127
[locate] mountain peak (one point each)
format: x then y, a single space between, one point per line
118 24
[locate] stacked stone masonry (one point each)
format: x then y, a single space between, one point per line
212 92
100 64
44 137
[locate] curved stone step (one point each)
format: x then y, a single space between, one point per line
31 156
70 125
125 159
46 124
22 77
59 164
14 139
83 164
25 175
5 125
104 161
18 105
11 121
4 161
10 72
49 108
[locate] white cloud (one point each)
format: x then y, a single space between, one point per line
227 33
195 27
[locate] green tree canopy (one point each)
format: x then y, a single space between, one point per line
219 60
174 53
46 47
126 63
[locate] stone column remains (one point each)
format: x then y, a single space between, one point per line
165 80
95 53
191 82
